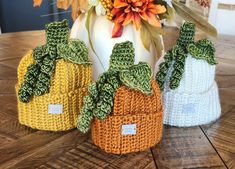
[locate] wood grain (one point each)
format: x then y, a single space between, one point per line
210 146
187 148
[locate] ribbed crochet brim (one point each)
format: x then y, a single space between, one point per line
35 113
184 110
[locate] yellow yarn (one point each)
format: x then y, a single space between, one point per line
68 87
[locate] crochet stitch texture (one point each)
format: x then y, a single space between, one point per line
67 84
203 50
122 71
38 77
130 107
124 95
187 80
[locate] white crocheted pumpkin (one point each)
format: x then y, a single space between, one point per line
103 43
196 99
186 77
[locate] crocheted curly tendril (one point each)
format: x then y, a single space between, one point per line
26 90
38 83
99 102
178 66
138 77
164 68
75 51
177 55
204 50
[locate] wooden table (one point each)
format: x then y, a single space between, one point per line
209 146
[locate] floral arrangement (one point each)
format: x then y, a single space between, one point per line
146 16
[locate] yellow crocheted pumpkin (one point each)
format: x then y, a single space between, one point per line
52 81
68 87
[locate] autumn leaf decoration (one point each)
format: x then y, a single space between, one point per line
76 5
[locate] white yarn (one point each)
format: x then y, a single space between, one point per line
196 100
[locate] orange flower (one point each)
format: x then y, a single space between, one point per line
126 11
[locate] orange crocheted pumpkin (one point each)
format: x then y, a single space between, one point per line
123 106
131 108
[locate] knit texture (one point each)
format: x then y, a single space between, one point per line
123 95
186 77
66 86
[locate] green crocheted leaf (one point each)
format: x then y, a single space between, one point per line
122 56
75 51
138 77
204 50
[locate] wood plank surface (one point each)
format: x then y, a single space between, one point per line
209 146
185 148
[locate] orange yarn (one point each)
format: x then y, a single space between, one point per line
130 107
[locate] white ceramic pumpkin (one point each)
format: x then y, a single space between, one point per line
102 41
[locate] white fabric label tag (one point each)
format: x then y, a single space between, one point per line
55 108
189 108
128 129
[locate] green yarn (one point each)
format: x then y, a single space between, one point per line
30 79
122 56
56 33
99 102
176 57
178 68
75 51
107 91
138 77
187 33
204 50
164 67
122 71
38 77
